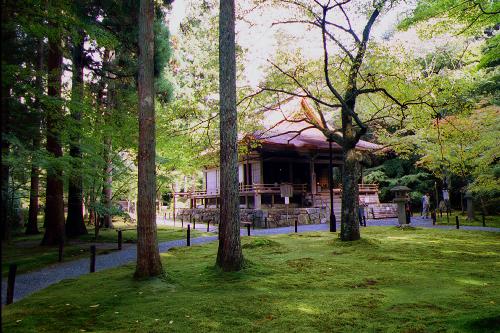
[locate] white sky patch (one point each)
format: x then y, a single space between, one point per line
176 15
261 38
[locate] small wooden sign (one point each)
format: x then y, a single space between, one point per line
286 190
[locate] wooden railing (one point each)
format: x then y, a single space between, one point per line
271 188
245 189
368 188
268 189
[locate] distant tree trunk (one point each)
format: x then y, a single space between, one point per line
107 189
8 36
75 225
6 230
229 255
54 205
32 225
148 256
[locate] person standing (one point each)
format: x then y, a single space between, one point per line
425 205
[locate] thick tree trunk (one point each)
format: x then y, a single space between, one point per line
350 196
75 225
229 255
333 221
148 256
349 229
54 205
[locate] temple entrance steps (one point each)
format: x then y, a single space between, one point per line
322 199
373 207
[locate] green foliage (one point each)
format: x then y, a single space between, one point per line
162 54
471 15
477 19
108 107
491 53
489 87
397 171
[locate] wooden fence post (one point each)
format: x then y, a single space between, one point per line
61 248
120 239
92 258
11 281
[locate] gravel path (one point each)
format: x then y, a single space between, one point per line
28 283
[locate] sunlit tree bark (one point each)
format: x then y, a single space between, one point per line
229 255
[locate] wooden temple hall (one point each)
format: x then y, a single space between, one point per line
285 154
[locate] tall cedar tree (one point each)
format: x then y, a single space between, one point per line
8 35
148 256
32 225
54 204
75 226
229 255
108 105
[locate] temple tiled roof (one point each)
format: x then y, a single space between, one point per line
289 124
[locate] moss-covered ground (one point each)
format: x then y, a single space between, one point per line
393 280
27 253
489 220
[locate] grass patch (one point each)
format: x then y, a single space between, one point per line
26 252
29 255
254 243
421 280
490 220
164 233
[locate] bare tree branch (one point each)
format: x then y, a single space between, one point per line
325 62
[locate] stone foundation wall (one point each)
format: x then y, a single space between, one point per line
269 217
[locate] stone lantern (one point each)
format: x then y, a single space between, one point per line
400 193
470 208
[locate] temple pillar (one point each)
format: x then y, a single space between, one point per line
257 201
312 177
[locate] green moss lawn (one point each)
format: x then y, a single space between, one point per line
490 220
416 280
29 255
